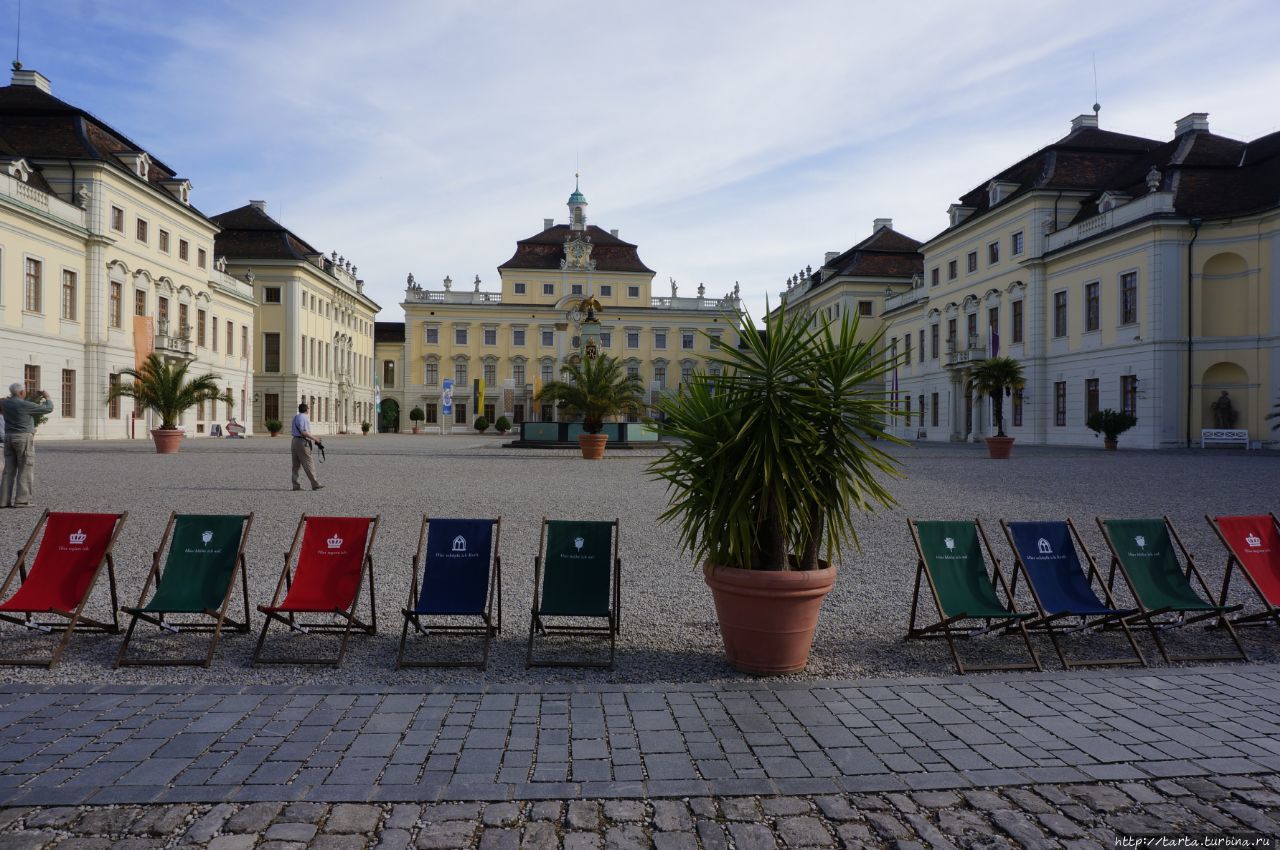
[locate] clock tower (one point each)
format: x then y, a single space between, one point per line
577 208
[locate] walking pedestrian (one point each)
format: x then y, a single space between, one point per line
300 447
20 444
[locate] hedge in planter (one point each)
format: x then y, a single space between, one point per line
771 462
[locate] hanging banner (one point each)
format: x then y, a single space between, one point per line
479 393
446 398
144 340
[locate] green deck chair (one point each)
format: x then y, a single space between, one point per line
577 575
949 557
206 554
1143 551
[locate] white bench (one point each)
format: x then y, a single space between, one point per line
1223 437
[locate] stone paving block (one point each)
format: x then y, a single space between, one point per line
393 839
752 836
446 835
255 817
233 842
352 818
339 842
584 815
540 835
500 839
581 841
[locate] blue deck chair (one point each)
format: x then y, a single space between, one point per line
1046 554
461 578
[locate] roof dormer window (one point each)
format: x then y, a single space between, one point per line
139 162
958 214
1111 200
19 170
180 188
998 190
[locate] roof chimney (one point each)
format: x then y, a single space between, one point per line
829 256
880 224
614 233
260 206
548 223
1190 123
1080 122
23 77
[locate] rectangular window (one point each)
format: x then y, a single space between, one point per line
139 302
907 412
971 330
200 320
459 336
202 257
1091 305
490 336
1060 403
32 300
1017 408
1129 298
1090 397
517 414
971 262
1129 394
575 289
922 348
388 373
659 339
68 393
142 230
271 406
1015 246
460 413
1017 322
633 292
31 378
270 295
993 324
686 341
548 289
933 339
993 253
431 373
184 323
491 413
633 371
184 250
933 276
519 289
162 240
244 341
271 352
1059 314
490 375
117 219
460 376
606 290
115 305
606 339
686 373
633 339
951 270
231 338
68 295
517 375
213 332
113 406
660 376
433 335
864 308
548 338
162 314
432 412
906 349
547 374
517 336
933 410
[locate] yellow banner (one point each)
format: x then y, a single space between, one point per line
480 396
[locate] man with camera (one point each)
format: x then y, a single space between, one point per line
300 430
20 445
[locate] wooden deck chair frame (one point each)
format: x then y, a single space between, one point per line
947 627
492 616
220 619
71 619
348 615
537 624
1271 614
1048 624
1147 616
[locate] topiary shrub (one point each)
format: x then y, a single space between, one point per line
503 425
482 424
1110 423
275 426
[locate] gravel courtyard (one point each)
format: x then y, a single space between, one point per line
670 633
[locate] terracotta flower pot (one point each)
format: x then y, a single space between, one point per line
1110 445
767 618
167 440
999 448
592 445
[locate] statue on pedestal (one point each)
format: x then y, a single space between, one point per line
1224 414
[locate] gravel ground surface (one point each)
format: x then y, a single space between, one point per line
669 622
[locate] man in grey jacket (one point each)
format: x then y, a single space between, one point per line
20 445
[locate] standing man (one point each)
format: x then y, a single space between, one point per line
20 445
301 448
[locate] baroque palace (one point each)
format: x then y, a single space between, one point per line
516 338
104 260
1122 272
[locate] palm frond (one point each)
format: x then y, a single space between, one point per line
161 385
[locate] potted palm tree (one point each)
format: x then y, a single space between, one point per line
595 388
995 378
770 462
1110 424
162 386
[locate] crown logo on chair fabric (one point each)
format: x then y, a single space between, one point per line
335 542
78 537
1253 540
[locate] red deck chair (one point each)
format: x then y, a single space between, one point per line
333 559
71 554
1253 545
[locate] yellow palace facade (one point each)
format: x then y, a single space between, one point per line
517 336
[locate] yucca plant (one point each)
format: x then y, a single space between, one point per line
595 388
162 386
773 458
995 378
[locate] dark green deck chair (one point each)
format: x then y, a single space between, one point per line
949 557
577 576
206 555
1145 552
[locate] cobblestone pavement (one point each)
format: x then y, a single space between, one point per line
73 745
1033 816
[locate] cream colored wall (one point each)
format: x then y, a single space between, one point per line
534 281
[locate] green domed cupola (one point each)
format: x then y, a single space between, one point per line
577 207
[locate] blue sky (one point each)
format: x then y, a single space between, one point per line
732 141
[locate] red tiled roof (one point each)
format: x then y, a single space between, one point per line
545 250
249 233
885 253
